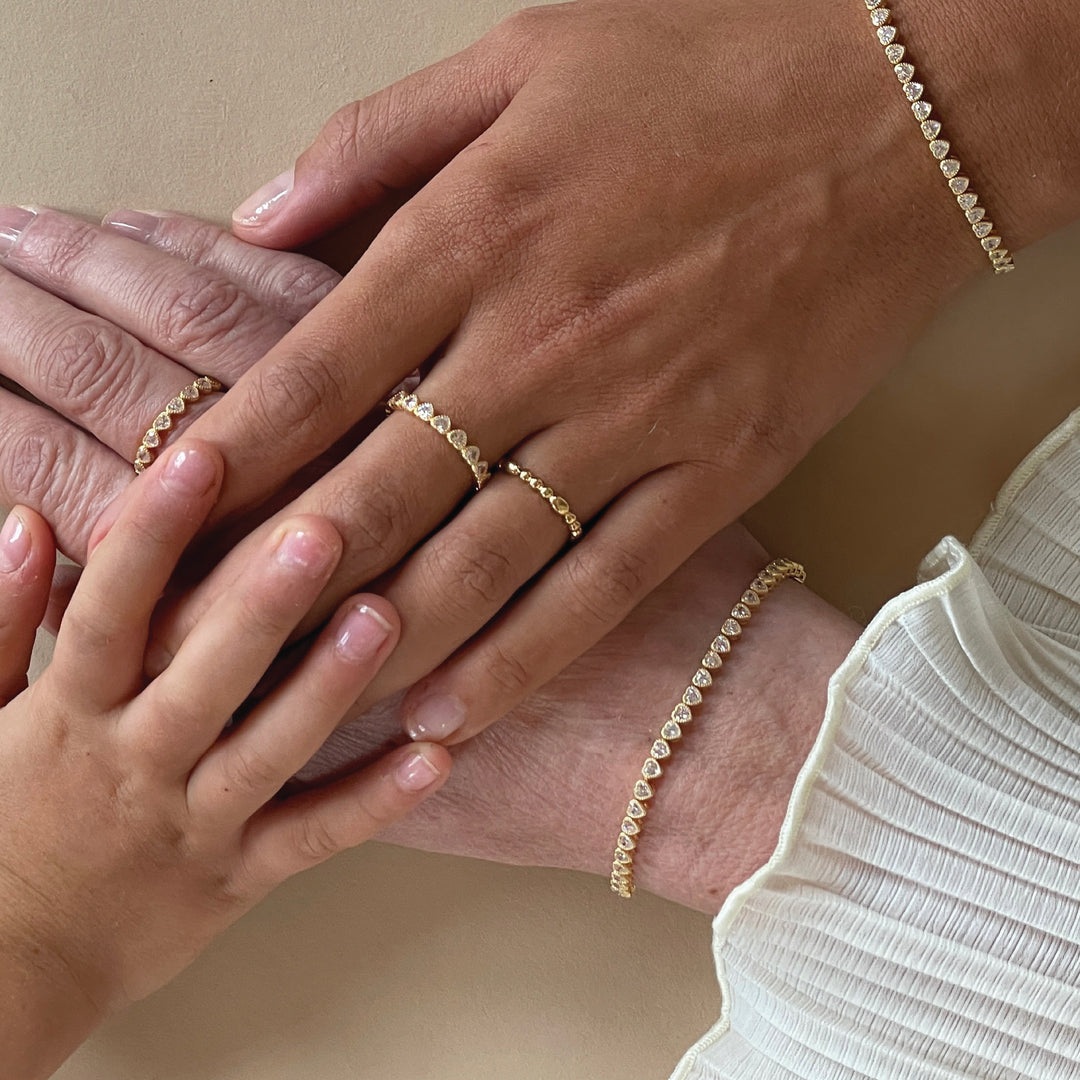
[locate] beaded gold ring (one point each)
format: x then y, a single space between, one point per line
165 419
940 147
556 502
622 868
424 410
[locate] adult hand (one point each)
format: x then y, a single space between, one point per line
658 250
103 331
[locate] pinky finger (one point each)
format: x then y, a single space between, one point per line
27 558
305 830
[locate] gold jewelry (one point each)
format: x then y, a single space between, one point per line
622 869
556 502
960 186
424 410
156 435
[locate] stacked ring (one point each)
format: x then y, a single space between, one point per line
164 420
556 502
424 410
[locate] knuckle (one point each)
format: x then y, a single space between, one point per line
315 840
606 582
86 362
305 284
62 248
198 314
379 513
42 469
464 575
192 239
247 773
523 26
352 128
510 674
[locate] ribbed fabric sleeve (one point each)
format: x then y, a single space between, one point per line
921 915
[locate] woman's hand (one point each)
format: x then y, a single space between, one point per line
659 248
133 831
104 331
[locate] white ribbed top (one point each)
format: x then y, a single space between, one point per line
921 915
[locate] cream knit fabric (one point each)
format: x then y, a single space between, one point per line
921 916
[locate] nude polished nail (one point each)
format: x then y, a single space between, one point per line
435 718
14 543
361 633
265 202
416 773
13 223
133 224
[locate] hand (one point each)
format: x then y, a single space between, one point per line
549 784
105 331
133 831
659 250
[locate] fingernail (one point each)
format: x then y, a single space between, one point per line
132 223
13 223
14 543
189 472
301 550
362 632
265 202
435 718
416 773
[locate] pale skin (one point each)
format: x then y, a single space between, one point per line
665 246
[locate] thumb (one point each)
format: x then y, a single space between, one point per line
398 138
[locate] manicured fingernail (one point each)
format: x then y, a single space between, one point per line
301 550
362 632
13 223
14 543
132 223
189 472
416 773
435 718
265 202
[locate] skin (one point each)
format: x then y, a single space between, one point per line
135 832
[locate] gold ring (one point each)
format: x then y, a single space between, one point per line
556 502
424 410
164 420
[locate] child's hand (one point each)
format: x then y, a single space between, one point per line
131 831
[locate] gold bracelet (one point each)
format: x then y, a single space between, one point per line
960 186
622 869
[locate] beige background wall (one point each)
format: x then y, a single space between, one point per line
388 964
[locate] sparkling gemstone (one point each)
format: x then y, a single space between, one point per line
627 843
630 827
643 790
959 184
482 470
472 454
441 424
651 769
458 439
751 598
731 628
886 34
1004 268
922 110
702 679
913 90
721 645
741 612
205 384
711 660
894 54
871 4
619 872
991 242
560 504
671 730
140 468
982 228
950 167
152 438
681 714
144 457
931 128
635 809
905 72
760 586
880 16
1000 253
975 214
621 856
176 406
190 393
661 750
939 148
968 201
410 401
691 696
163 421
425 410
